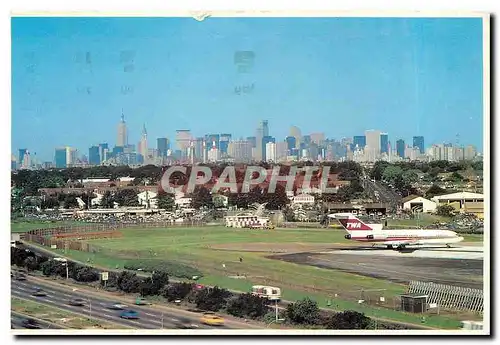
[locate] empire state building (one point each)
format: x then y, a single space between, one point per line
122 139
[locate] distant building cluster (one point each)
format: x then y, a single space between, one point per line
374 145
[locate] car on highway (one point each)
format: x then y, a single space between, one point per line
31 324
212 319
117 306
39 293
184 323
129 314
77 302
20 276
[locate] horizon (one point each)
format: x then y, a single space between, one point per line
340 76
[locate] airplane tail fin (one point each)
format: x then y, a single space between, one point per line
350 222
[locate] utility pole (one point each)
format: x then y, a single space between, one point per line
276 309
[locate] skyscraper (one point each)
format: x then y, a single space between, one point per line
291 143
318 138
266 139
122 139
183 139
162 145
295 132
260 147
372 149
418 141
400 148
384 143
143 144
224 141
94 157
65 156
360 141
103 151
22 152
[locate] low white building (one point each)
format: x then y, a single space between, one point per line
183 202
418 204
303 199
148 199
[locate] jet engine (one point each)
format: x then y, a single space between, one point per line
347 237
376 237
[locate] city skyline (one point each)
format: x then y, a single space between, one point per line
73 77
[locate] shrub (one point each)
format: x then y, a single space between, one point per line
173 269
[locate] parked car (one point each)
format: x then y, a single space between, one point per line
31 324
78 302
141 301
39 293
212 320
129 314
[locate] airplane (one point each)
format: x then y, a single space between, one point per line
400 238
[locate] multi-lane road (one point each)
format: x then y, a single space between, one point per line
98 307
381 193
17 322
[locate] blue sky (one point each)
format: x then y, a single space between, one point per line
340 76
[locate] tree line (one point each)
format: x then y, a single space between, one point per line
246 305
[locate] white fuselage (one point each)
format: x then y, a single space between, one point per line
406 237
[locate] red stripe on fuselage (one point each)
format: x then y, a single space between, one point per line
388 239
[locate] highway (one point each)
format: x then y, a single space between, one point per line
98 307
381 193
16 321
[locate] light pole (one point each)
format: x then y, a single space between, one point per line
90 308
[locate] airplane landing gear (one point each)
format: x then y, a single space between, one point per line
401 247
448 246
389 246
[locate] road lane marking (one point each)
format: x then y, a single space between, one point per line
150 314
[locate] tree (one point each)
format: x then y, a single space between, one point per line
201 197
165 201
248 305
31 263
433 191
212 299
304 311
127 197
128 282
445 210
410 176
378 170
107 200
391 173
177 291
348 319
86 274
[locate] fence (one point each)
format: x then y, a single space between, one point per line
43 236
449 297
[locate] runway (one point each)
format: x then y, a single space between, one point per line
98 307
461 266
459 253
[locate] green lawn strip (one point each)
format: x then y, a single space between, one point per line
55 315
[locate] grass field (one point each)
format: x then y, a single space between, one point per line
209 249
59 316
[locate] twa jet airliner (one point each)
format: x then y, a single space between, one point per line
373 233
